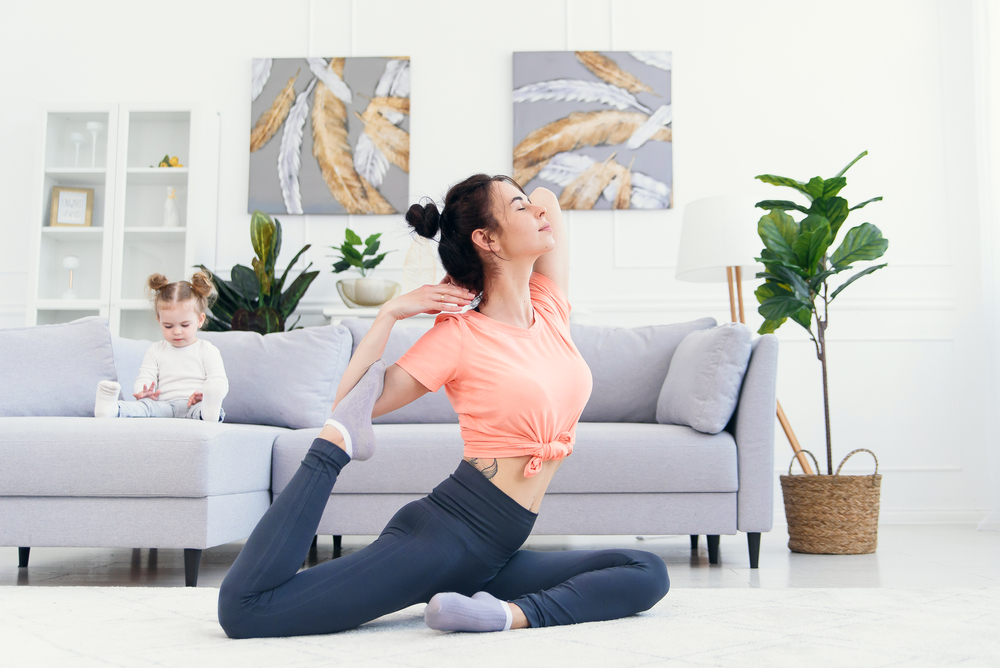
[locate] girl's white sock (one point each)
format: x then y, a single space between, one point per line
106 402
212 394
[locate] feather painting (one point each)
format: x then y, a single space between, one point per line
272 119
419 265
595 126
342 133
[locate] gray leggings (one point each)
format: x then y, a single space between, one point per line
178 408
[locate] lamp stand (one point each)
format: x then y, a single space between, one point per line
785 424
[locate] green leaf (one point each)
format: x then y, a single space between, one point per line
245 280
351 253
855 277
374 262
343 265
844 170
374 237
766 291
262 277
372 248
353 238
290 299
794 280
779 231
272 257
261 234
265 320
815 187
814 239
770 326
781 306
804 318
229 297
867 201
834 210
284 274
864 242
816 281
833 186
782 204
241 321
784 181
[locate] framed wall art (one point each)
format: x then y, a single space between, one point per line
329 135
71 207
596 127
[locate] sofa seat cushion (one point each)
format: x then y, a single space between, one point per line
607 459
148 457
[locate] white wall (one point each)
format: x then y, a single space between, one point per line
789 87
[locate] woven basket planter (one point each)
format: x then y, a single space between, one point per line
832 514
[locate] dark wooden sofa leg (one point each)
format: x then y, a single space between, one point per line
22 556
337 542
753 542
694 542
192 559
713 549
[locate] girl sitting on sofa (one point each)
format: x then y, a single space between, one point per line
181 376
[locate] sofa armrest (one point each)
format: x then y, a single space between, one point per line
754 433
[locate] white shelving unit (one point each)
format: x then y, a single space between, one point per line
127 240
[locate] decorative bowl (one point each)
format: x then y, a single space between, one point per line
362 292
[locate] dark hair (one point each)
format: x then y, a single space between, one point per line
200 288
468 206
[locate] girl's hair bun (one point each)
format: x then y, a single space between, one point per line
202 286
157 282
425 219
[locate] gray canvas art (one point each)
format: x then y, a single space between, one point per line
329 135
595 127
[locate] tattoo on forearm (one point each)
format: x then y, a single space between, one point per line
488 468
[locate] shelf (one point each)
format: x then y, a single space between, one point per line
78 175
150 234
68 304
135 304
91 234
158 176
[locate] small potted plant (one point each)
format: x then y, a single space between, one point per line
363 256
832 513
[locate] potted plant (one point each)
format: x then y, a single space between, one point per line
364 291
826 513
253 300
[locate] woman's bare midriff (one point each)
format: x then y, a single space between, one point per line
508 474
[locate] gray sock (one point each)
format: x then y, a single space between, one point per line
353 415
106 402
454 612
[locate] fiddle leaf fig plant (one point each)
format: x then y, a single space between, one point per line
254 300
798 264
352 257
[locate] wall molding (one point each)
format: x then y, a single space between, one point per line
702 303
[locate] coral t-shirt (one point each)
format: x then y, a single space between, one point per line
516 391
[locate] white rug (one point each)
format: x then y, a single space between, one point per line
800 628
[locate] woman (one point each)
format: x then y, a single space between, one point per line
519 386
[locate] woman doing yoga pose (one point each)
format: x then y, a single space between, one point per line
519 386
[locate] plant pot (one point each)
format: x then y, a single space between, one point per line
832 514
362 292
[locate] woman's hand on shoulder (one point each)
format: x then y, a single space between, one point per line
445 297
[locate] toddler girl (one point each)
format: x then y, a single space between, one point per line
181 376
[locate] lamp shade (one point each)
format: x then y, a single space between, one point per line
719 232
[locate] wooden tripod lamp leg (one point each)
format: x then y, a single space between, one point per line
785 424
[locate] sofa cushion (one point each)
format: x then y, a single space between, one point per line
629 366
285 379
128 359
56 367
413 459
703 383
123 457
433 406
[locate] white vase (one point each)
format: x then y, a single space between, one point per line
360 292
171 214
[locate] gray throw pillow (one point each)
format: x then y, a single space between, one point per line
629 366
430 408
285 379
54 369
704 380
128 359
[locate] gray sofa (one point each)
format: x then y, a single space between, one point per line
68 479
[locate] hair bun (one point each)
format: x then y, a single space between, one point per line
157 282
425 219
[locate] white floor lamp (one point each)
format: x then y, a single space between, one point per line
718 243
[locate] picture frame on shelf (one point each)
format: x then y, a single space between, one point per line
72 207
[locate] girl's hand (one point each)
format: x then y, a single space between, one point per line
147 393
194 398
444 297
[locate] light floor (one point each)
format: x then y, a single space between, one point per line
908 556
